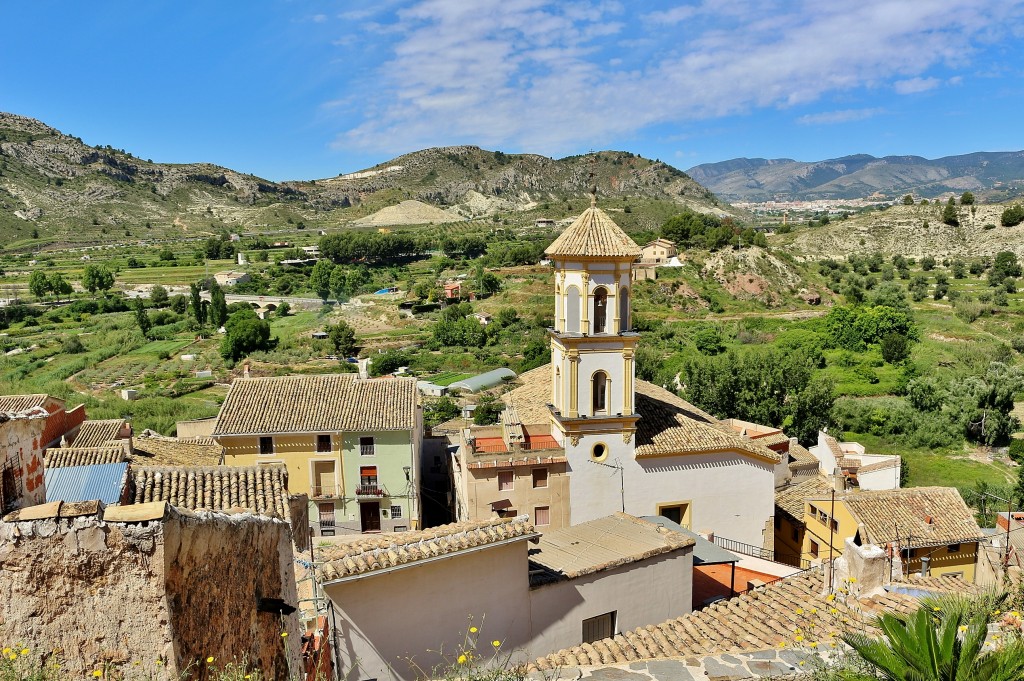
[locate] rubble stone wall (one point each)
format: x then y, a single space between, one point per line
127 594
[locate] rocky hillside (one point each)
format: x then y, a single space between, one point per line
476 182
992 176
56 190
912 231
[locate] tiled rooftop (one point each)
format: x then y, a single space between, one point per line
593 234
158 450
791 499
58 457
902 515
325 403
402 548
14 404
97 433
668 424
600 544
757 620
260 489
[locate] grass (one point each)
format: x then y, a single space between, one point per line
448 377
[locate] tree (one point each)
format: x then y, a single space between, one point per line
487 411
97 278
39 283
950 216
927 263
908 200
959 269
709 341
320 278
142 319
158 296
339 284
59 285
284 309
488 283
387 362
343 338
196 303
246 333
895 348
179 304
1004 266
1012 216
218 306
967 199
441 410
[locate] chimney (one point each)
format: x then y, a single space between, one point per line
245 369
925 562
838 480
863 570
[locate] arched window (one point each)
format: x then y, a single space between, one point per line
599 393
558 388
624 309
572 310
601 310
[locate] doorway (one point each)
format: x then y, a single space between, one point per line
369 516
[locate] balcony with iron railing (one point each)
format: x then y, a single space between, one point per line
370 491
366 450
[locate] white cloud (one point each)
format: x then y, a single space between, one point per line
539 75
915 85
842 116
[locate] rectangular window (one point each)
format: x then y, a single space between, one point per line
396 512
542 515
266 445
814 549
953 548
823 517
401 528
504 481
368 476
834 525
366 446
597 628
540 477
323 444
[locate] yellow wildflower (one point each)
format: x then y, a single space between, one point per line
963 627
802 663
7 651
473 630
13 656
936 608
782 644
284 634
834 611
159 662
798 639
24 652
851 580
248 676
209 660
462 658
98 673
496 644
832 645
799 611
830 598
813 644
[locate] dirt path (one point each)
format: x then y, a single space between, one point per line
791 315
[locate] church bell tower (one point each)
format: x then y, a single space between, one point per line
592 342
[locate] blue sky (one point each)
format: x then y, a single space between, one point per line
307 89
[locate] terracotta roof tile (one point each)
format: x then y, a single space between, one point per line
896 515
600 544
800 456
63 457
13 404
791 499
758 619
157 450
668 424
97 433
322 403
893 462
390 550
260 489
593 234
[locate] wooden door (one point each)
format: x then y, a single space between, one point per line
369 513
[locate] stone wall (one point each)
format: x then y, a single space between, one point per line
128 586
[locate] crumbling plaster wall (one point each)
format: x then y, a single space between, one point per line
177 590
21 437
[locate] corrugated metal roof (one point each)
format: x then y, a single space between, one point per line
84 483
483 381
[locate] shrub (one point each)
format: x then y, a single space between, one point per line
895 348
1016 450
1012 216
72 346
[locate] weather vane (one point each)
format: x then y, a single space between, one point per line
593 182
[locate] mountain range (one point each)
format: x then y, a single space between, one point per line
993 176
54 189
